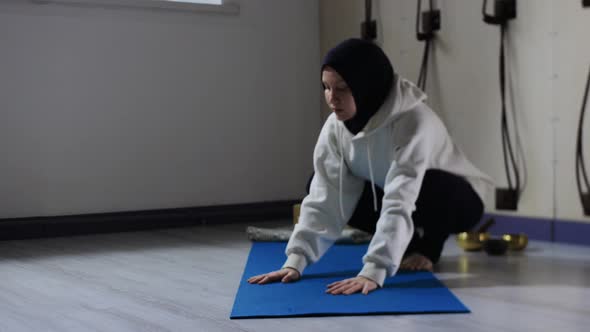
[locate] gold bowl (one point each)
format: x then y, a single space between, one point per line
516 242
472 241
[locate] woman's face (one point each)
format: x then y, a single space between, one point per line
338 95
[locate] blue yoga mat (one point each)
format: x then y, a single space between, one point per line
405 293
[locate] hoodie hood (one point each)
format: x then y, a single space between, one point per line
404 96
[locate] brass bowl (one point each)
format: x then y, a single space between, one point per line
516 242
472 241
296 210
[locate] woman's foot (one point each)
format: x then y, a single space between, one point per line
416 262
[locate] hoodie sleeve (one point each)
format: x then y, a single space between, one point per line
413 143
321 221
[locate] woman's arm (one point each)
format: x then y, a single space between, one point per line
321 222
415 142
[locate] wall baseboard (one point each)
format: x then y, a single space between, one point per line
54 226
542 229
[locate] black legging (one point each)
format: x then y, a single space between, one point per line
447 204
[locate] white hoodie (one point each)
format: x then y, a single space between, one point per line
393 151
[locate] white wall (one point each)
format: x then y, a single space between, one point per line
549 60
106 109
339 19
571 59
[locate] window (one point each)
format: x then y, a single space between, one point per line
208 2
214 6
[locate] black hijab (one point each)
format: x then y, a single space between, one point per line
368 73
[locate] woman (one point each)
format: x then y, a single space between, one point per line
385 163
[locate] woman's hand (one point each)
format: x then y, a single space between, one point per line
352 285
286 274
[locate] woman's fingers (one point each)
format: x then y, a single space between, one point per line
340 283
284 275
255 279
337 288
263 278
353 288
271 277
346 287
334 284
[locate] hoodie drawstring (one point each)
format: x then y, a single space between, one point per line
340 177
341 184
371 174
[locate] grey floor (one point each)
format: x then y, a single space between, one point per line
185 279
